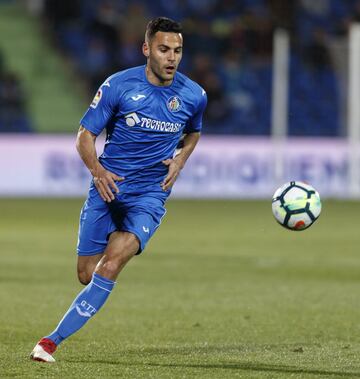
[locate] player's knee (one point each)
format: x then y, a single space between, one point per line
84 277
118 252
110 268
113 263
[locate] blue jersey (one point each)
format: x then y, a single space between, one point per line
144 124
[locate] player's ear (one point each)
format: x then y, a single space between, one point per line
145 49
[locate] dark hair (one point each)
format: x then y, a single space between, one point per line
162 24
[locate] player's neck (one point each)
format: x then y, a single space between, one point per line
155 80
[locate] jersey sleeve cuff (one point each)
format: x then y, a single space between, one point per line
89 128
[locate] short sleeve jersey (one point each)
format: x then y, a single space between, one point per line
143 123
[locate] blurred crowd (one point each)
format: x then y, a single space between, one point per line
228 50
13 112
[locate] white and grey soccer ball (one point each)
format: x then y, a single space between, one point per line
296 205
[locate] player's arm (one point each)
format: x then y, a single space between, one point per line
176 164
104 180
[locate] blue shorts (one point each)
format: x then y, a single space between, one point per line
140 214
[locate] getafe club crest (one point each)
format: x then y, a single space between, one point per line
174 104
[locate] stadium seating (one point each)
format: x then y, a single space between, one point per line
235 41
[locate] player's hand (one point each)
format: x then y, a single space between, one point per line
173 173
104 181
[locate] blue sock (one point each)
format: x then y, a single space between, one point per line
88 302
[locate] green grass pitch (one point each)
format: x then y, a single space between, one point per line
221 291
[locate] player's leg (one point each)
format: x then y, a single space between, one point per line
121 248
87 263
137 228
94 227
86 266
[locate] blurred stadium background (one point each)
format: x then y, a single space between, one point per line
276 73
222 290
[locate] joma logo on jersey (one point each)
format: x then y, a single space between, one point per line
133 119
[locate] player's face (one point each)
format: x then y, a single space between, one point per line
164 53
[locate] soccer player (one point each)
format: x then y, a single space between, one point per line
146 111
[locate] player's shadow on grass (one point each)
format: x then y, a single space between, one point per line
246 366
260 367
152 354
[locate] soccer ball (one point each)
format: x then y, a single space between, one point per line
296 205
